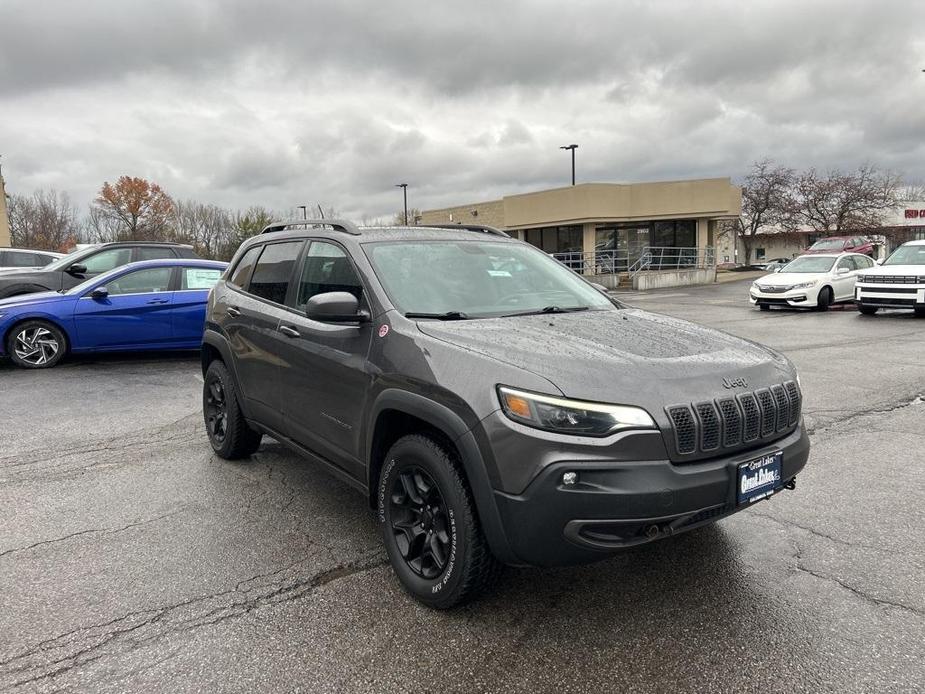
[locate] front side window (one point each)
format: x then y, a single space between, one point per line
147 281
478 279
198 278
327 269
104 261
154 253
847 263
274 268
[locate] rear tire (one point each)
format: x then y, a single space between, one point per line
867 310
430 526
826 297
36 344
229 434
919 312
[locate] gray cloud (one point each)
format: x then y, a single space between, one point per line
282 103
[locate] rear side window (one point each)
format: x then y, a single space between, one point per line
274 268
154 253
104 261
23 260
201 278
242 270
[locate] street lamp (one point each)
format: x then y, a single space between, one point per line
304 211
404 192
573 148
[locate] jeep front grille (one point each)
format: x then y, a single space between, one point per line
705 428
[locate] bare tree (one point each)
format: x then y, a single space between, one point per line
131 209
399 219
46 220
836 201
206 227
765 202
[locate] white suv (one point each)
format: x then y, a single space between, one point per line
898 283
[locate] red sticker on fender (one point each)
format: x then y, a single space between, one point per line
383 330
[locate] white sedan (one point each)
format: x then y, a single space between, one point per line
811 281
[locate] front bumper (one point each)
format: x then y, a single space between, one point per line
795 297
890 295
620 504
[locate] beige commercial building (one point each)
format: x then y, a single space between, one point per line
4 217
610 225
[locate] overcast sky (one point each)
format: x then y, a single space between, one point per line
281 103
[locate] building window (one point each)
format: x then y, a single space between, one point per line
559 239
759 253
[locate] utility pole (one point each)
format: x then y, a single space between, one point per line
573 148
404 191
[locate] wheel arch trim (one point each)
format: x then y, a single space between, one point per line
452 425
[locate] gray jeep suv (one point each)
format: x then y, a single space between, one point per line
494 406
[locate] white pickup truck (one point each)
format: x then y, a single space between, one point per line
898 283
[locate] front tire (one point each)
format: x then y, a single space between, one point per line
764 307
229 434
36 344
430 526
867 310
826 297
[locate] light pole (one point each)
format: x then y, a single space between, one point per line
404 192
573 148
304 211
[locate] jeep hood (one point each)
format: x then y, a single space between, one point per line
627 356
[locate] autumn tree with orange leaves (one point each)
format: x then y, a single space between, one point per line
131 209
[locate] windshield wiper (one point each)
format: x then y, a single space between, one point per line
449 315
547 309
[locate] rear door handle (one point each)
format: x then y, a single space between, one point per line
159 301
289 332
233 311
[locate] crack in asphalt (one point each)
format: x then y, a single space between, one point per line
900 404
815 533
245 598
858 592
90 531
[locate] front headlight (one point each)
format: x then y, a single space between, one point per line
803 285
571 416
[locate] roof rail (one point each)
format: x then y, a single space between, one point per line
484 228
336 224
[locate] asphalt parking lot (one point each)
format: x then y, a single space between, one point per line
131 559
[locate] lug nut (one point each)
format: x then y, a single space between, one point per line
569 478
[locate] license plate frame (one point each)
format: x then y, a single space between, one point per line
759 478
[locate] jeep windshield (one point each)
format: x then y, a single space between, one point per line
810 263
907 255
458 280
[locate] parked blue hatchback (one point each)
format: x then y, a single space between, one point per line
150 305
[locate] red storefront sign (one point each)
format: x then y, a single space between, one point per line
915 214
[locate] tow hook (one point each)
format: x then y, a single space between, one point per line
792 484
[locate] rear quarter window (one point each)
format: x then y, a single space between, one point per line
242 271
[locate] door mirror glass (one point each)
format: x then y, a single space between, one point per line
77 269
335 307
99 293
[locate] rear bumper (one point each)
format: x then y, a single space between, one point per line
620 504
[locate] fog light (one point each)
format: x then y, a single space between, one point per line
569 478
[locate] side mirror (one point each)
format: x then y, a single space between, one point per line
77 269
335 307
99 293
777 269
842 271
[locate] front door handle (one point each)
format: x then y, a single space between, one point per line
159 301
289 332
233 311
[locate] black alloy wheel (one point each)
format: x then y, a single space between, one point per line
420 522
229 433
216 410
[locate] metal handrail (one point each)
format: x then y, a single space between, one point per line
612 262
